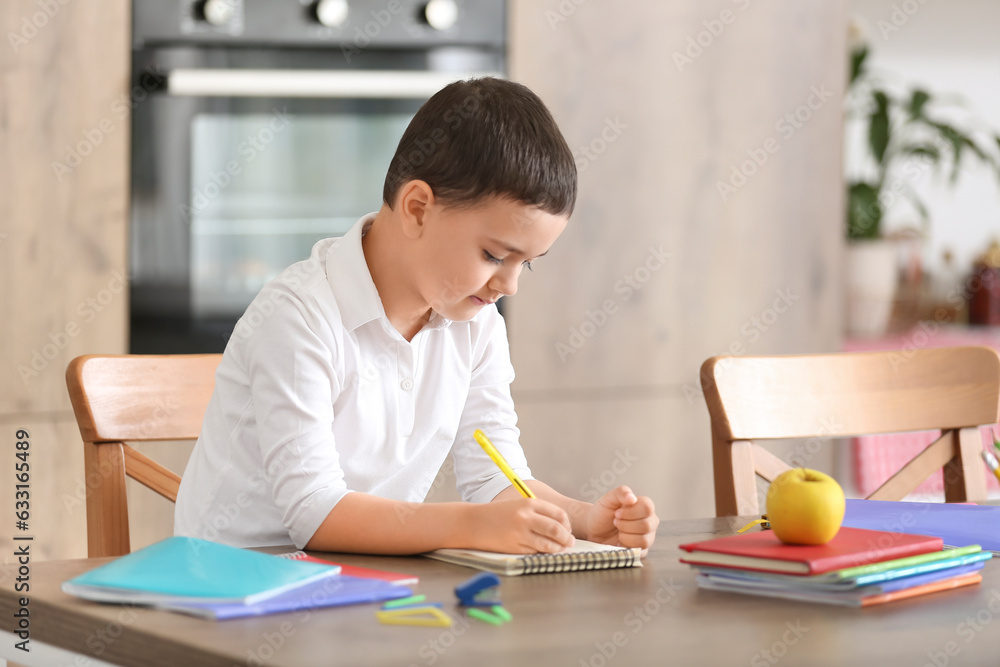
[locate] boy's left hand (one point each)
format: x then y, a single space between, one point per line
622 518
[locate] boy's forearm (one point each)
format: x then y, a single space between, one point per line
363 523
575 509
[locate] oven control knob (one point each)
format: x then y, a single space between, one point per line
441 14
331 13
218 12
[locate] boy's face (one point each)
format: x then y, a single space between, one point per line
471 256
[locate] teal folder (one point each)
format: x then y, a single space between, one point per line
187 569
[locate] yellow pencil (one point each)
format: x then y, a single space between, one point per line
485 443
992 463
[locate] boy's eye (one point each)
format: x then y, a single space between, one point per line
489 257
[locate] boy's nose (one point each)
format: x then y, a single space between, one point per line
504 282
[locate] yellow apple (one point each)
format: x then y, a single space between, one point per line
805 506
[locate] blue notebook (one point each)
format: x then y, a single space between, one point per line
336 592
187 569
958 525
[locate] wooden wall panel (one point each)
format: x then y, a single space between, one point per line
64 155
63 198
661 266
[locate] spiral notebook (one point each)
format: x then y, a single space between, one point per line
583 555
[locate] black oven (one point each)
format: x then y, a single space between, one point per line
262 126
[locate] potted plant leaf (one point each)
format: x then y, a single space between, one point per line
904 134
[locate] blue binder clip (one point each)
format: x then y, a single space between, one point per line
475 591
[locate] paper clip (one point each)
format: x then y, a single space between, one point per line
502 613
498 617
439 605
485 616
404 602
472 593
426 615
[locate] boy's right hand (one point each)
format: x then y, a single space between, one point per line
520 526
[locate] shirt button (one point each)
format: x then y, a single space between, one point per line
406 384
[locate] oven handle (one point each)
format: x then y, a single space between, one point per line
375 84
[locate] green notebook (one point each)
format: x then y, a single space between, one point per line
187 569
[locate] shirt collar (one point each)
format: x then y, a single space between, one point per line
352 284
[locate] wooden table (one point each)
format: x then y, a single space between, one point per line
653 615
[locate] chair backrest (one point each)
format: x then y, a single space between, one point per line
956 390
134 398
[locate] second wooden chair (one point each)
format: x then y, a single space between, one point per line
956 390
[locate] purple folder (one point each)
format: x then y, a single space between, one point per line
959 525
334 592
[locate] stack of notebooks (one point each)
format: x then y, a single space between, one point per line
212 580
858 568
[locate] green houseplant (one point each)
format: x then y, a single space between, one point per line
904 134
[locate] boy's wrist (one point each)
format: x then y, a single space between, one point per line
578 511
462 530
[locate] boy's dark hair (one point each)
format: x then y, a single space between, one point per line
486 137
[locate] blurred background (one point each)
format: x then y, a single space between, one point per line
723 149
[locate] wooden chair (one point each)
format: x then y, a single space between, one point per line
136 398
835 395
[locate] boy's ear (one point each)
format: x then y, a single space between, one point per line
415 198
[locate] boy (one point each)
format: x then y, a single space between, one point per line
353 374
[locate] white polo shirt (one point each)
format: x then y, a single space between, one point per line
317 395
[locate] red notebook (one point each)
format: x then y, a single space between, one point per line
764 552
355 571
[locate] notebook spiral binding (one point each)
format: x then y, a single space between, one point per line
594 560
